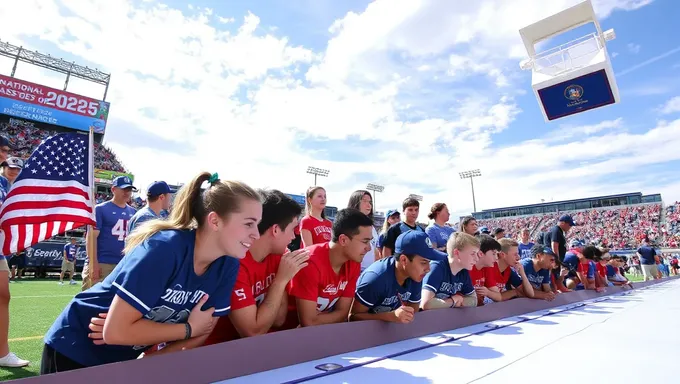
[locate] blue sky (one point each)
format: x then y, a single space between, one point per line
401 93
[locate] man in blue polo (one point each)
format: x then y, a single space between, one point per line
157 202
112 217
390 289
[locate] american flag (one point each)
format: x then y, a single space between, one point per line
52 194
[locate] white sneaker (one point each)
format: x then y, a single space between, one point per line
73 282
61 283
12 361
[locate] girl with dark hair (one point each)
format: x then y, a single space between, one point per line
438 231
173 282
315 228
362 201
468 225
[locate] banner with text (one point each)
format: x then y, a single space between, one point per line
103 176
51 254
36 102
577 95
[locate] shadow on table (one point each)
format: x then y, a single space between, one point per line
462 349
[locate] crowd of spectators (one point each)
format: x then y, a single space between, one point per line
672 228
615 228
24 137
513 226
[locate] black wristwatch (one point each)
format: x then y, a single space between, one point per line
187 328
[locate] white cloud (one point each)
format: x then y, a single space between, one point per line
671 106
633 48
243 101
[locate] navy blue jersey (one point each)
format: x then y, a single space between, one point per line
536 278
444 284
141 216
158 279
112 224
378 289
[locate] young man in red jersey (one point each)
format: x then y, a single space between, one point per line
259 300
510 277
324 289
482 273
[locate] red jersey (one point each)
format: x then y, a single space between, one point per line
252 283
601 269
502 278
484 277
318 281
320 230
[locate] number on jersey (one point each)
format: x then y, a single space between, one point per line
323 304
120 230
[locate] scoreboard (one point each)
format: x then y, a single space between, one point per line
38 103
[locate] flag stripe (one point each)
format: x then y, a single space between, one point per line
44 205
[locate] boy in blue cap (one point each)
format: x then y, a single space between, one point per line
390 288
537 270
158 200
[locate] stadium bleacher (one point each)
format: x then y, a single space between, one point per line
25 138
671 231
612 227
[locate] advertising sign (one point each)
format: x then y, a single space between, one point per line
36 102
577 95
103 176
50 255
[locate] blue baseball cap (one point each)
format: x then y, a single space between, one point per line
392 212
157 188
484 230
576 243
123 182
539 249
414 242
568 219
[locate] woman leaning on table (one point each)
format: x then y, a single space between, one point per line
171 285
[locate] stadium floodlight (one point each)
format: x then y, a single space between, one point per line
36 58
471 175
375 188
317 172
417 197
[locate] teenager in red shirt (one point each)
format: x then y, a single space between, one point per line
482 273
510 277
315 228
324 290
259 300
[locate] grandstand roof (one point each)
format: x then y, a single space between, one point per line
550 203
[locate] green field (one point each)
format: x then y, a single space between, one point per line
34 306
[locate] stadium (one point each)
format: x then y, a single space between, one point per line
618 228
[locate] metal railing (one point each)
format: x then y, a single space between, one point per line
569 56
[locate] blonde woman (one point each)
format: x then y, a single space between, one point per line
172 284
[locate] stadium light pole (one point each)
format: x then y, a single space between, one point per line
471 175
317 172
417 197
375 188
